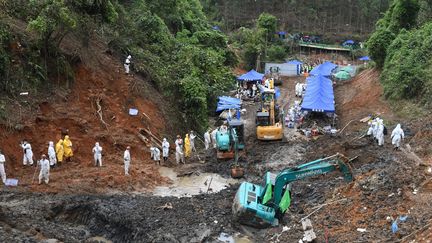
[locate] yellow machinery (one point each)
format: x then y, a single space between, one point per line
268 120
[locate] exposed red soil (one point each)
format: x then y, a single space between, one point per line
360 97
76 111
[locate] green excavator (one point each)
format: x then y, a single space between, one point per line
263 206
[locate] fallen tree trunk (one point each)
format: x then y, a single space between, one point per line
148 132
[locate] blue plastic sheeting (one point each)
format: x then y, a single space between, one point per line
319 95
365 58
229 100
348 42
295 62
11 182
133 112
252 75
277 93
226 103
324 69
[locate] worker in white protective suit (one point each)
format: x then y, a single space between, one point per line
179 141
380 132
371 124
97 154
165 149
224 128
254 89
44 169
213 137
127 160
28 153
375 128
267 83
207 139
2 168
152 152
127 64
192 138
179 155
397 135
52 154
291 113
156 156
297 88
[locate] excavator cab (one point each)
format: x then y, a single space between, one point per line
238 126
268 120
226 139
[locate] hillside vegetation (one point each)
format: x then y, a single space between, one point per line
171 43
334 19
402 47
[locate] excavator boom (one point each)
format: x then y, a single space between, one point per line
262 206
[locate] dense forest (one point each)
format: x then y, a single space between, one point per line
172 44
331 18
402 47
176 48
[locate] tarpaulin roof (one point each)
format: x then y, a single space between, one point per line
342 75
252 75
324 69
348 69
295 62
226 103
348 42
319 95
364 58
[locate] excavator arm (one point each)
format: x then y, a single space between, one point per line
263 206
317 167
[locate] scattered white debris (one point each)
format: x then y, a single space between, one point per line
415 191
215 221
399 191
309 234
391 194
361 230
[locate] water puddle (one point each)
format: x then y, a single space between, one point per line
188 186
226 238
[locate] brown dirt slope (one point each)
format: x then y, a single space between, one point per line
98 76
361 96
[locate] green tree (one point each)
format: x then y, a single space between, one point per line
53 22
378 44
268 23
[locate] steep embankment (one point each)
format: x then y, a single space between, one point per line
99 81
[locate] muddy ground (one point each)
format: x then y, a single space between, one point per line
388 184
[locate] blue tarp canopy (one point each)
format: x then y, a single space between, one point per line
226 102
324 69
364 58
295 62
348 42
252 75
229 100
319 95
